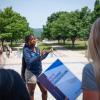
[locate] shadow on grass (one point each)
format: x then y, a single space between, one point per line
75 47
68 46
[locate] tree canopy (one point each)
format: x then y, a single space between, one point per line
97 9
64 25
13 26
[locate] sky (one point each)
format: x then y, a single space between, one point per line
37 11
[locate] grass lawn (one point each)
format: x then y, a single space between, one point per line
79 45
43 46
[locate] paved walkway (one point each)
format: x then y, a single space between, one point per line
74 60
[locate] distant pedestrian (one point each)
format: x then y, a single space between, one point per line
2 59
8 51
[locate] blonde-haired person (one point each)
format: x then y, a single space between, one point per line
91 72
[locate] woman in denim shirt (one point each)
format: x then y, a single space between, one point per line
33 57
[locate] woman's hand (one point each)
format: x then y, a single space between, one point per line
46 51
51 50
43 52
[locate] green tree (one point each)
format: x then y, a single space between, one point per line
47 28
79 24
13 25
96 9
55 27
64 25
85 20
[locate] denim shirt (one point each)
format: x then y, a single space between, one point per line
88 79
33 59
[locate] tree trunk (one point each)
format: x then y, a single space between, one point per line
12 39
11 42
73 41
58 41
63 41
2 43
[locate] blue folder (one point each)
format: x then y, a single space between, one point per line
60 81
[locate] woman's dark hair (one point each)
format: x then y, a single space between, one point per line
23 68
12 86
27 38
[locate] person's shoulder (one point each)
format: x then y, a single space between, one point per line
26 48
7 70
9 73
13 72
37 48
88 68
88 72
88 78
